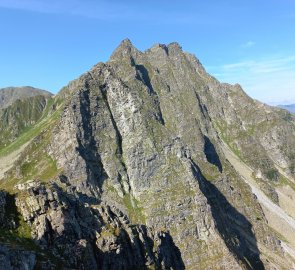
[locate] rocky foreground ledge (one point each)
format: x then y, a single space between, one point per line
70 233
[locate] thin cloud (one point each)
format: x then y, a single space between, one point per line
249 44
271 79
94 9
107 11
262 66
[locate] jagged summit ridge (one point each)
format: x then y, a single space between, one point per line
127 48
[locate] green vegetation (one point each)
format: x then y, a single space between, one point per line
110 231
283 181
21 234
135 211
19 117
272 174
30 133
36 163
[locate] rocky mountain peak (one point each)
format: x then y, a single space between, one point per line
158 47
174 48
168 50
125 50
148 162
126 43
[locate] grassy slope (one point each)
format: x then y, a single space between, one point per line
20 116
34 162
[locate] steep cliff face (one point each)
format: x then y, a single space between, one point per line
134 170
261 135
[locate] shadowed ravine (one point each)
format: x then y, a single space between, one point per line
231 224
87 144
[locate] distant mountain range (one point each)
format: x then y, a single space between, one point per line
290 107
20 109
10 94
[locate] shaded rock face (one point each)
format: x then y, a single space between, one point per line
142 180
93 237
8 218
11 259
2 207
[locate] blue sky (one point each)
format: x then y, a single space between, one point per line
48 43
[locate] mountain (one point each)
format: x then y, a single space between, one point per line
20 108
290 107
148 162
10 94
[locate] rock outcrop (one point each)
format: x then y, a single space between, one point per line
11 256
93 236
